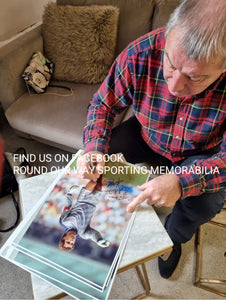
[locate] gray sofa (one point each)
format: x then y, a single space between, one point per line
55 119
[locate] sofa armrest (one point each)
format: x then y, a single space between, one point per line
14 57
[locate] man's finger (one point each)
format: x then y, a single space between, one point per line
88 173
138 200
100 168
91 176
143 186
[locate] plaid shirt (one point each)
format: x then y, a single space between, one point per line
173 127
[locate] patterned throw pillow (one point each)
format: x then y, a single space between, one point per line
38 73
80 41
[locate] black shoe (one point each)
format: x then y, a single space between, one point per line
167 267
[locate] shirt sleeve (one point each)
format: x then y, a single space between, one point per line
206 175
114 95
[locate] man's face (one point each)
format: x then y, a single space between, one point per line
69 239
185 76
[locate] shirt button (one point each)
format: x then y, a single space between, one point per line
173 154
177 137
181 119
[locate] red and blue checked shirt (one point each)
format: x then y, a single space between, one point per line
173 127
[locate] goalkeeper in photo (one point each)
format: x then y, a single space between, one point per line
76 217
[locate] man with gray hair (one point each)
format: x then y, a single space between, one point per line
175 80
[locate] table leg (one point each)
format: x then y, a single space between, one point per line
58 296
144 280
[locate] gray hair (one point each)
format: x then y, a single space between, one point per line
203 28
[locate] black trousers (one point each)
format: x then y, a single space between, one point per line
187 214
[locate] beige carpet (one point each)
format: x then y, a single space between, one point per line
16 284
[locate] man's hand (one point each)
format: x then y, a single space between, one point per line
90 165
163 190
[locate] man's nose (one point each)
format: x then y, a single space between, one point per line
176 82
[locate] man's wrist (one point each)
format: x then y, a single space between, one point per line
93 147
190 185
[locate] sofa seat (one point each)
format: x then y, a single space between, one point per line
54 118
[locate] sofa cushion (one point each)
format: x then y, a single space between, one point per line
80 41
163 11
134 18
54 118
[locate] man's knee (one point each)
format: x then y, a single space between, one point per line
188 214
206 206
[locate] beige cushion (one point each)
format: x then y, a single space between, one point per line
134 19
53 117
57 119
80 41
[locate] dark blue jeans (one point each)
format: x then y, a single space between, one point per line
189 213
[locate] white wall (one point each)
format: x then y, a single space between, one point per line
17 15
